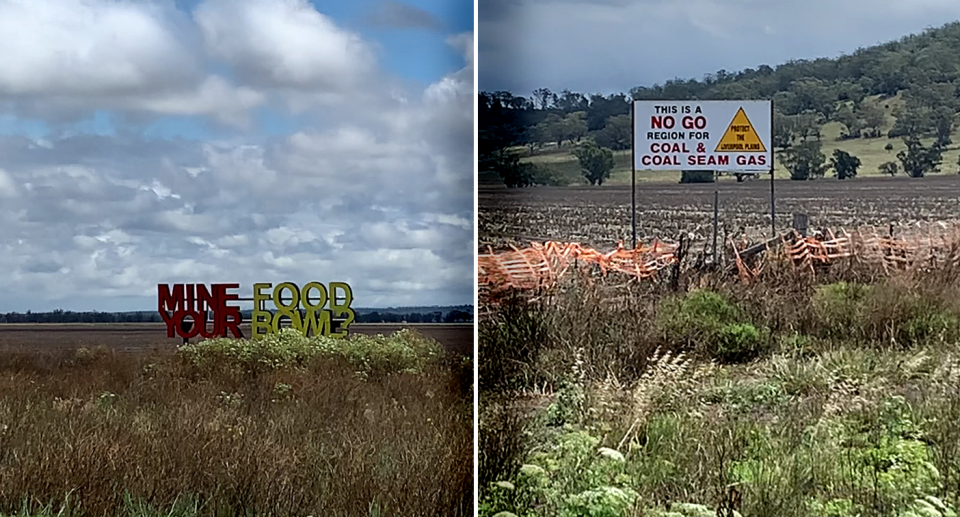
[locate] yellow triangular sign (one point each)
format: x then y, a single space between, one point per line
741 137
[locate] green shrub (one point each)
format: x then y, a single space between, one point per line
568 407
569 475
929 325
738 342
697 315
404 351
708 323
929 506
839 309
891 313
686 510
698 177
285 348
908 316
835 508
547 176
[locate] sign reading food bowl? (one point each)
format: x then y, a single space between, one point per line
191 310
698 135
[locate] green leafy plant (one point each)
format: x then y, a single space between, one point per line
604 501
568 407
929 506
891 463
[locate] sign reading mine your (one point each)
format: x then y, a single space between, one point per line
191 310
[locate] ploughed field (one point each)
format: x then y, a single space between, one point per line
600 216
139 337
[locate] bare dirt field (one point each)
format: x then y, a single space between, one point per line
600 216
139 337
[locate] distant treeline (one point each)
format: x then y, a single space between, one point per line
457 314
852 90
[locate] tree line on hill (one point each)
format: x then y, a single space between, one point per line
852 90
462 314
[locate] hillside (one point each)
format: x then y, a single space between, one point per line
859 102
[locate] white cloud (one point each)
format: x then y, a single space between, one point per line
7 187
460 84
95 48
284 43
214 96
62 58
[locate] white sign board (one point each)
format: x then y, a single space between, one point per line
704 135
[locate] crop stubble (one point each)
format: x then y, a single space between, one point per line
599 217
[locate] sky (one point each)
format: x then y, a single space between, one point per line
240 141
610 46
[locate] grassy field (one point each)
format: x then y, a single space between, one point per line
140 337
284 426
834 396
870 151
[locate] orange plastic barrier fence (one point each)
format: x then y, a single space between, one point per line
937 244
543 264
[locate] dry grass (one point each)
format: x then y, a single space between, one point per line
109 434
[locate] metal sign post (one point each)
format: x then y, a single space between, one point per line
773 199
773 207
633 172
716 217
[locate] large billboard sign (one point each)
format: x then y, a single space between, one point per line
191 310
705 135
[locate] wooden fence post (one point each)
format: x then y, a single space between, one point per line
801 223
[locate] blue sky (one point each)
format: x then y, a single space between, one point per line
163 141
404 49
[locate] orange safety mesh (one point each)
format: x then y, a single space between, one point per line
918 245
542 265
